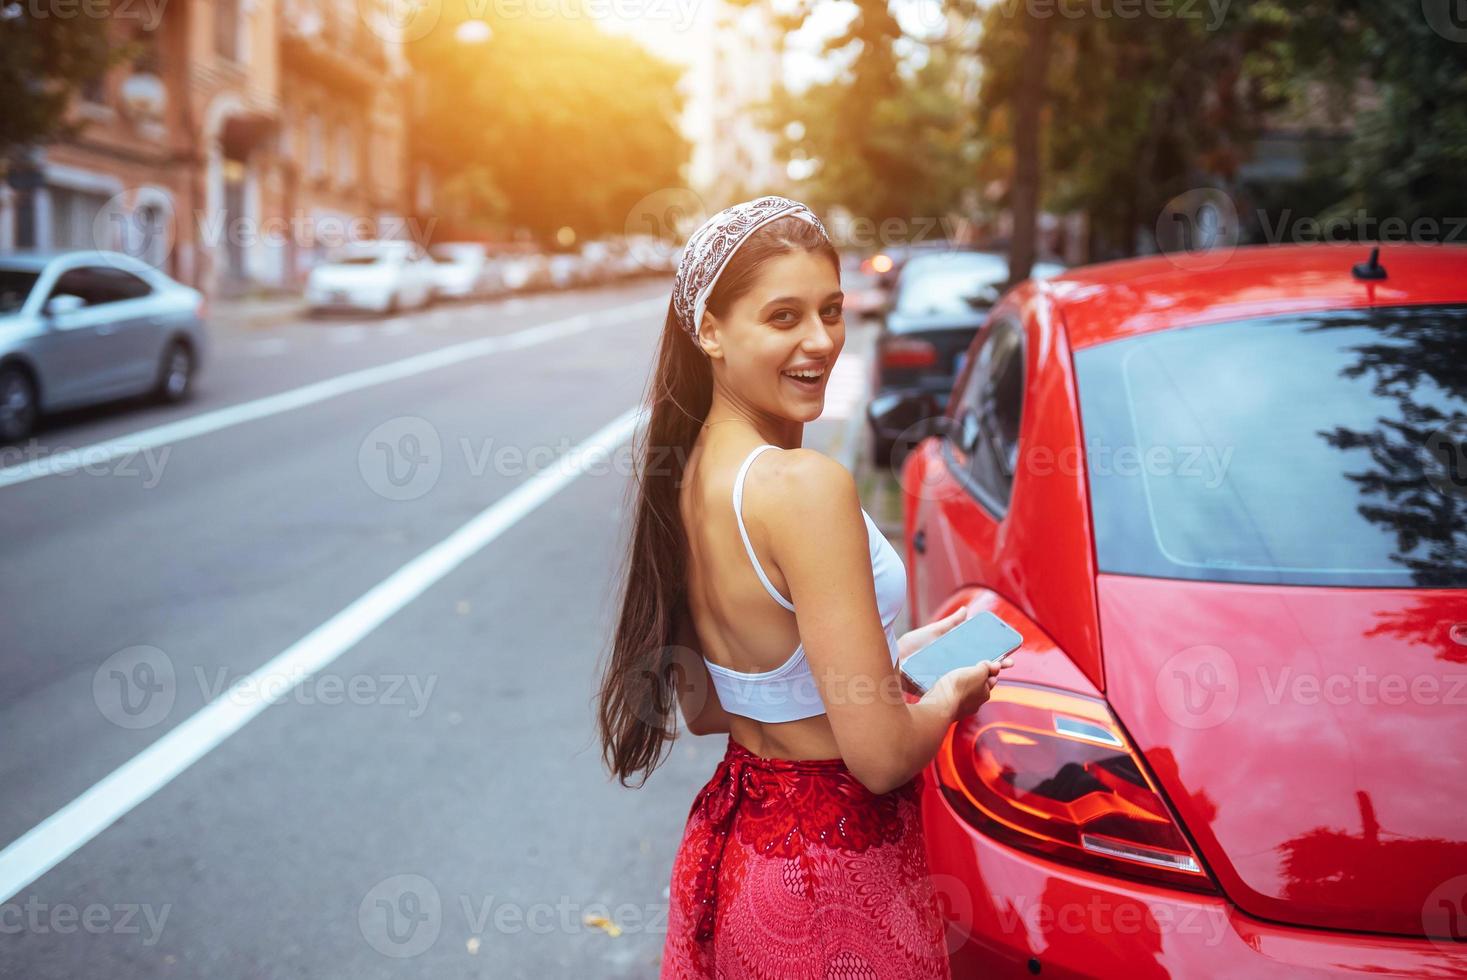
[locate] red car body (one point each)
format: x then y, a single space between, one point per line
1151 791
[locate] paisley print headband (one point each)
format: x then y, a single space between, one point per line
714 243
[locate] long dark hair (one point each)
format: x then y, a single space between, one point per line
635 709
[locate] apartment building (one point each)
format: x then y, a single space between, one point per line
246 138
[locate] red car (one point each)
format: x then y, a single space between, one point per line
1226 507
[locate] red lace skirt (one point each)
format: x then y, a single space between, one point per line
792 869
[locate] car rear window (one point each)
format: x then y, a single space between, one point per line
1326 448
940 283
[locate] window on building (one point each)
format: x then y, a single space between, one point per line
73 217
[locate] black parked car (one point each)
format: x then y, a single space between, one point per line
939 300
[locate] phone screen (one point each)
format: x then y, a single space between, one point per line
980 637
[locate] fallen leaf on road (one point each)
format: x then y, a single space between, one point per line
603 923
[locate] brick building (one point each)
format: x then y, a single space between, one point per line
247 137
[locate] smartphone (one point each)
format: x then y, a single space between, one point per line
979 637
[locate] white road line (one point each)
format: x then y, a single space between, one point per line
394 327
70 460
60 835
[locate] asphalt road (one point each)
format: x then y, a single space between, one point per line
298 675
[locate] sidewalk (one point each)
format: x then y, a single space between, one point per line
256 312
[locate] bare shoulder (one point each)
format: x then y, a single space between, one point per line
801 487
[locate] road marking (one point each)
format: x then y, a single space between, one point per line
395 327
60 835
70 460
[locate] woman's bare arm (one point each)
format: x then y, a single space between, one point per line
811 510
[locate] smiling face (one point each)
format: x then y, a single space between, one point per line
789 323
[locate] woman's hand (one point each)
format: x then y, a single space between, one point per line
966 689
913 640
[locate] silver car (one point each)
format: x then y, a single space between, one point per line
77 328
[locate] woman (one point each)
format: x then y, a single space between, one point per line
803 855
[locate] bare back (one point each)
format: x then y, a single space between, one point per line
738 624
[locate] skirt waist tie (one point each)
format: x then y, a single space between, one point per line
734 779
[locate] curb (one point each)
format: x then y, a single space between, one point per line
239 318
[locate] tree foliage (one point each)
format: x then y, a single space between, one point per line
1408 153
45 59
549 123
890 136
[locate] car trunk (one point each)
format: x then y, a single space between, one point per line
1311 740
905 336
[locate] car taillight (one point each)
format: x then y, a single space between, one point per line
897 352
1051 772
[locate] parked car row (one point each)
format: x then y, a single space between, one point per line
388 276
935 298
79 328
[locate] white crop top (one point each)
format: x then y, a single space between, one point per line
788 692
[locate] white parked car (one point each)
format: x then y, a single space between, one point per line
384 276
464 270
568 270
524 272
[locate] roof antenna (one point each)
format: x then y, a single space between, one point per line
1370 270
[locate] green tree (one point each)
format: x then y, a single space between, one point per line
889 136
549 123
45 59
1408 152
1129 112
